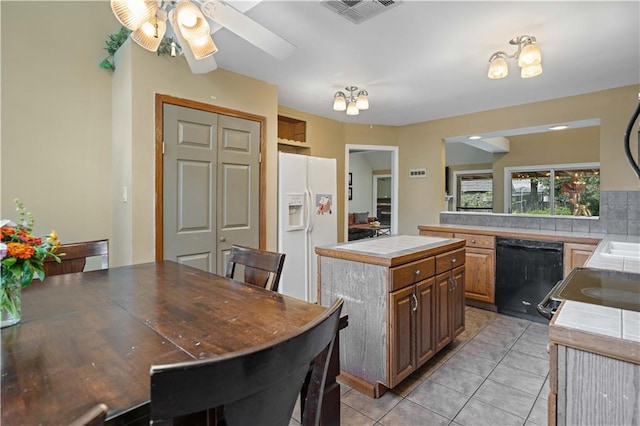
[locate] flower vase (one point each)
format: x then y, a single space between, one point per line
10 302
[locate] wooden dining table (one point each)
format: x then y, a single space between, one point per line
91 337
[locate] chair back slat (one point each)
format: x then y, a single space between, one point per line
261 268
255 387
75 257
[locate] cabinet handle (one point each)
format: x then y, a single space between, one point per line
473 241
453 260
417 272
450 284
415 299
455 283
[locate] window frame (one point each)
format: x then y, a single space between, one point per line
457 173
508 171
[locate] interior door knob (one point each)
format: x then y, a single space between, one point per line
223 239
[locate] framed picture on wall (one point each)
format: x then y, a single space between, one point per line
350 180
350 194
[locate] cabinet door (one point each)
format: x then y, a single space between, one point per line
425 318
576 255
480 273
457 301
401 340
443 310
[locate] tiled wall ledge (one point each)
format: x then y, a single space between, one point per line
619 214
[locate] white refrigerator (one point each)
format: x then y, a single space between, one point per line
307 218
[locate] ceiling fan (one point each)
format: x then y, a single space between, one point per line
191 24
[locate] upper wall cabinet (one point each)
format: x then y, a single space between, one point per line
293 135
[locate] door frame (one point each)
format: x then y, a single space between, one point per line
394 150
159 123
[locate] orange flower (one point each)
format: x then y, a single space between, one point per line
7 230
19 250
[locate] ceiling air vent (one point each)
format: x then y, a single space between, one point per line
358 11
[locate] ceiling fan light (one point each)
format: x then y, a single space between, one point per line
202 47
147 35
133 13
530 55
498 68
531 71
339 102
363 101
352 109
191 21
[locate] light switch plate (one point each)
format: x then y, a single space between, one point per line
417 173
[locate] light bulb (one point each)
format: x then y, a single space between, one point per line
192 23
531 71
202 47
339 102
352 109
530 55
363 101
133 13
498 68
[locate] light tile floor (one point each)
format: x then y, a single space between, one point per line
494 373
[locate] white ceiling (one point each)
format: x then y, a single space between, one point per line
424 60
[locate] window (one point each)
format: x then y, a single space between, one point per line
564 190
474 191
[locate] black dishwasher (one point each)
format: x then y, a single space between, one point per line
526 270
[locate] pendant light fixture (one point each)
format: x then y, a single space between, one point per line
528 56
351 103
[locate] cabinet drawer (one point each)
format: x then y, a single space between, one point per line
411 273
439 234
445 262
478 241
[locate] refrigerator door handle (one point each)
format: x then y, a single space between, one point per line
310 210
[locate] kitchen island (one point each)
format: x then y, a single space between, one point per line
595 344
405 299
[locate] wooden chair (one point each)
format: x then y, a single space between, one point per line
96 416
255 387
261 268
75 257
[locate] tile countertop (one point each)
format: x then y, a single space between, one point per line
625 264
602 329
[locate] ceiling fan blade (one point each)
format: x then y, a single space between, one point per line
247 28
198 66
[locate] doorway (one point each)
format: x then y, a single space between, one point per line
391 170
209 182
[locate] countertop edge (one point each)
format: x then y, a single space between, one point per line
613 347
538 234
393 258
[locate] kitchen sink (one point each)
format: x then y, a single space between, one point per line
622 249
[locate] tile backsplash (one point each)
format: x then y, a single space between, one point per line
619 214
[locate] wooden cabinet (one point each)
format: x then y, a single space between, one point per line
480 277
576 255
410 324
293 136
480 264
449 297
588 387
392 302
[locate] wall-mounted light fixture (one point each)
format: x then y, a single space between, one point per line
351 103
528 56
